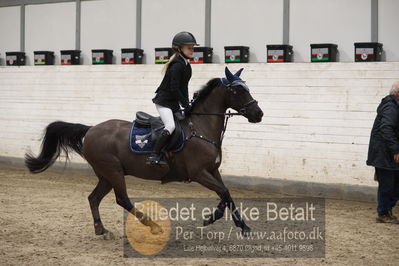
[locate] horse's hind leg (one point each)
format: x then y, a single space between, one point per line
123 200
100 191
108 167
114 175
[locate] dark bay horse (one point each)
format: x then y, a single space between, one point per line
105 148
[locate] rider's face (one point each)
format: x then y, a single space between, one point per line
188 50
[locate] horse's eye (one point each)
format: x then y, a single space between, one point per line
240 90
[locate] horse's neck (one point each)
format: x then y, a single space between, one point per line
210 126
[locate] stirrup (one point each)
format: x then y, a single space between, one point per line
155 159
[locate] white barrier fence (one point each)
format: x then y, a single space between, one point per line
316 126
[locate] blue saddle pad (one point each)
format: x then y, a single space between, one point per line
140 140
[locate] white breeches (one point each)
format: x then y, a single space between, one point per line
167 117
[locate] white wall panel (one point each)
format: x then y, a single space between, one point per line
324 21
161 20
254 23
387 28
107 24
9 31
49 27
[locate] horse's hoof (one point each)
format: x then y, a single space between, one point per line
108 235
99 229
156 230
246 230
208 222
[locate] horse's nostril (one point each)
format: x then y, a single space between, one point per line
260 114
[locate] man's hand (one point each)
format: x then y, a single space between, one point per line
396 158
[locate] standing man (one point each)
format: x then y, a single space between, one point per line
384 155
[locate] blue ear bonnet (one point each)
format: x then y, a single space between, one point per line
232 80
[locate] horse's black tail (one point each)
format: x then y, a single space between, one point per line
59 136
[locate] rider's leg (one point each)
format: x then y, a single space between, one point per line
169 122
167 118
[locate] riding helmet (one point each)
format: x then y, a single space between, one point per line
183 38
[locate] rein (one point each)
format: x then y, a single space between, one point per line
241 112
221 114
226 119
195 135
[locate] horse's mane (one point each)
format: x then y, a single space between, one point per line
203 93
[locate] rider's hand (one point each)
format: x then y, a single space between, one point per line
396 158
188 108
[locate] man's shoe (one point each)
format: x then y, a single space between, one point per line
386 218
391 214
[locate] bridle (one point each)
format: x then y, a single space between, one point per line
229 85
242 111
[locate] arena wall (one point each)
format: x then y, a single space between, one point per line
316 126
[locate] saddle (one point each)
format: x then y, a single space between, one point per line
146 131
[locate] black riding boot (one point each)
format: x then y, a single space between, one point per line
156 156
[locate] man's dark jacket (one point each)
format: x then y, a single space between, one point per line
174 86
384 139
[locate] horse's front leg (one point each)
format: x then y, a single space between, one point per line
214 182
220 209
226 200
238 221
217 214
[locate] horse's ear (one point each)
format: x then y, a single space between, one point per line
229 75
239 72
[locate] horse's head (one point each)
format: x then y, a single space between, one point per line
239 98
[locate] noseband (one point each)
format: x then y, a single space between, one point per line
243 110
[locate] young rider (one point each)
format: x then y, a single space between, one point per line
173 90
